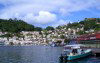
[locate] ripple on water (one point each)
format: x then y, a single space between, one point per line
35 54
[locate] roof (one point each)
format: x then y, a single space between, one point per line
74 45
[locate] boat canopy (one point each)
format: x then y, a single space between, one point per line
75 46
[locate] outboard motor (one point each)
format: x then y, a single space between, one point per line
63 58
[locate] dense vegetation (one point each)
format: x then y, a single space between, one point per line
49 28
87 24
15 26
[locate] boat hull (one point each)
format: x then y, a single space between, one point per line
79 56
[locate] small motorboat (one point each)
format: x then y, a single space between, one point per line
76 53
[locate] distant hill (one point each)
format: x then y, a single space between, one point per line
14 25
87 24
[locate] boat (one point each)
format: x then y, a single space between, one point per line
76 52
77 56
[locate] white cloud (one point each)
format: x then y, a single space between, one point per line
45 17
43 11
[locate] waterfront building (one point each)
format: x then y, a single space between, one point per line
2 43
91 40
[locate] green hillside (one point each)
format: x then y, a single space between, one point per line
87 24
14 25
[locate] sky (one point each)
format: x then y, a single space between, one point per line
45 13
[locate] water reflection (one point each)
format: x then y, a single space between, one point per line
6 55
30 54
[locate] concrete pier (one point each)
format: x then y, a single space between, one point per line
95 51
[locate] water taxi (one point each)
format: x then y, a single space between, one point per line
76 52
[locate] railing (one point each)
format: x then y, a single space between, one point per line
91 43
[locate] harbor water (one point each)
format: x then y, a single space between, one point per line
36 54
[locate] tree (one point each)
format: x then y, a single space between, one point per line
8 35
62 36
59 27
49 28
81 22
89 23
59 41
38 29
66 41
80 32
15 26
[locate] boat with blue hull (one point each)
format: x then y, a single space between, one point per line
75 53
77 56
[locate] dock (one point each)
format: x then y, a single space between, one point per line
95 51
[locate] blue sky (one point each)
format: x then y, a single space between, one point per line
49 12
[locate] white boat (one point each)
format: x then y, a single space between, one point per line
76 52
79 55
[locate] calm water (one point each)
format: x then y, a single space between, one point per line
36 54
